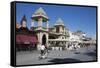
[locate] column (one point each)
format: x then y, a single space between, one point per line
67 44
64 30
39 41
32 24
47 25
47 42
40 23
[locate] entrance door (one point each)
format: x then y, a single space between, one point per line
43 39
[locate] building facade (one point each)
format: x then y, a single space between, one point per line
55 36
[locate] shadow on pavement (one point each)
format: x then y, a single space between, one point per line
65 60
93 54
77 53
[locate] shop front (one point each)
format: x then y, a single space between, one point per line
26 42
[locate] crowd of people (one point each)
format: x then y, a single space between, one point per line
74 46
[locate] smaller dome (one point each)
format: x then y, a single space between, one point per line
59 22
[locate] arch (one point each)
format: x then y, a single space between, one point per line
37 37
44 39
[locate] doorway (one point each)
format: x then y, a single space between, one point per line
43 39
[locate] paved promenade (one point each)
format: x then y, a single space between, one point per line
82 54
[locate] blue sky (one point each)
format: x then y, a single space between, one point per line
74 17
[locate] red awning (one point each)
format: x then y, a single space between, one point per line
33 39
18 41
26 39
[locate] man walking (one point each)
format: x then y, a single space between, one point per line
42 48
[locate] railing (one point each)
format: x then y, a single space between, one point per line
34 28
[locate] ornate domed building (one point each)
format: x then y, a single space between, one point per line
56 36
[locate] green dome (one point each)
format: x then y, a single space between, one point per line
40 11
59 22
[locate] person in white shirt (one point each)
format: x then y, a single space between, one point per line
42 48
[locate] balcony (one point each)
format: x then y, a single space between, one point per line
39 28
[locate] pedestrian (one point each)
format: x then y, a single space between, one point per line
42 48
